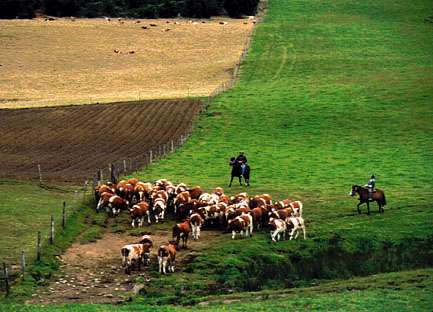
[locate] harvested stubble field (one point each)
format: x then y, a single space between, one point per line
71 142
50 63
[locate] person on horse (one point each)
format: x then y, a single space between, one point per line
242 159
371 186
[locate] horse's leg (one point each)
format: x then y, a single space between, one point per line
240 180
368 207
231 180
357 207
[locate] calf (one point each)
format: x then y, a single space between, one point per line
133 254
182 230
138 212
167 257
196 222
297 224
278 228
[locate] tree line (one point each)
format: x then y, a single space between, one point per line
127 8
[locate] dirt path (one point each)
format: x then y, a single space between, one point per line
92 273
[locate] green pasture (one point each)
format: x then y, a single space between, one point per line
331 92
403 291
25 209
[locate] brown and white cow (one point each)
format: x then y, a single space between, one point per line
181 199
143 190
159 206
181 231
146 240
297 208
281 204
116 204
181 187
239 225
278 229
281 213
196 221
296 224
167 257
103 200
133 254
259 215
138 212
261 200
195 192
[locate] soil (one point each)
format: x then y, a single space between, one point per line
71 143
92 273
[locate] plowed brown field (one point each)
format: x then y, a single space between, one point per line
70 143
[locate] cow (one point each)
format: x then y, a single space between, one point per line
167 257
143 190
195 192
281 213
238 225
181 187
218 191
278 229
297 208
103 200
196 222
159 206
134 254
181 231
281 204
241 197
138 212
297 224
181 199
132 181
146 240
116 204
259 217
261 200
105 188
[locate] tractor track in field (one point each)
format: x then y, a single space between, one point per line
92 272
71 143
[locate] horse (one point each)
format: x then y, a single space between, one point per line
377 196
237 172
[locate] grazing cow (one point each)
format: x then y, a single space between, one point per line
182 230
181 199
238 225
296 224
116 204
297 208
138 212
167 257
278 229
134 254
159 206
195 192
196 222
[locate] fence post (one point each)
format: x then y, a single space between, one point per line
101 175
52 230
150 156
6 277
124 166
38 247
172 146
23 262
64 215
40 173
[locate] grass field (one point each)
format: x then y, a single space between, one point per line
404 291
25 209
331 92
73 62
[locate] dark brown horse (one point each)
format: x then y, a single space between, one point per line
377 196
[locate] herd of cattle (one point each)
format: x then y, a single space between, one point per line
238 214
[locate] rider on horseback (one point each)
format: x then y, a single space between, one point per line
371 186
242 159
